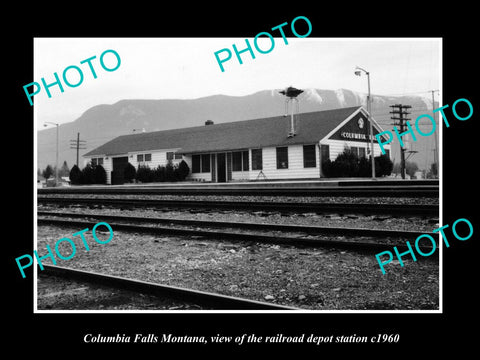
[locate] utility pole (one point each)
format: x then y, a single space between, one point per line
435 152
77 144
358 71
399 109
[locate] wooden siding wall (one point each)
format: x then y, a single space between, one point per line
295 169
159 157
295 165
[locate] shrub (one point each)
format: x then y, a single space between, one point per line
88 173
76 175
48 172
348 164
383 166
159 173
100 175
129 172
182 171
144 174
169 171
365 167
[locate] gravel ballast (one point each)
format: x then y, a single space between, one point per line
314 279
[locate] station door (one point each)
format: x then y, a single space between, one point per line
119 164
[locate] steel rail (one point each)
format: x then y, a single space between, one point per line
262 238
308 229
219 301
343 190
362 208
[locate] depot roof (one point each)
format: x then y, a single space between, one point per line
310 128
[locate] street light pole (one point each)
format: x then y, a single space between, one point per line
56 151
372 157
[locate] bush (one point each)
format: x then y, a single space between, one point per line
383 166
129 172
99 175
183 170
159 173
348 164
365 167
88 173
48 172
76 175
144 174
170 171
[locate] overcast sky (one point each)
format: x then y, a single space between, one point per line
186 68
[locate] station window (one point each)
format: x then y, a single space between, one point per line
309 156
245 160
257 161
195 164
144 157
282 157
205 163
240 161
361 152
237 161
97 161
174 155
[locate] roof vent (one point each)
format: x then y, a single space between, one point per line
209 122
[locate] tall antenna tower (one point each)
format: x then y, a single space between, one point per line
291 96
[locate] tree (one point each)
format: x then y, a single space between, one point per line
182 171
433 172
64 170
76 175
100 175
144 174
159 173
88 173
346 164
129 173
411 168
365 167
383 166
169 171
48 172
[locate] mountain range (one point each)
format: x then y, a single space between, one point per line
102 123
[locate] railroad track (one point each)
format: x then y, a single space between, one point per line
217 301
351 208
294 235
392 189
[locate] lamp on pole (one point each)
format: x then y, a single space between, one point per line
358 72
56 152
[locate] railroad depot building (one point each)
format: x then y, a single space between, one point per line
259 149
